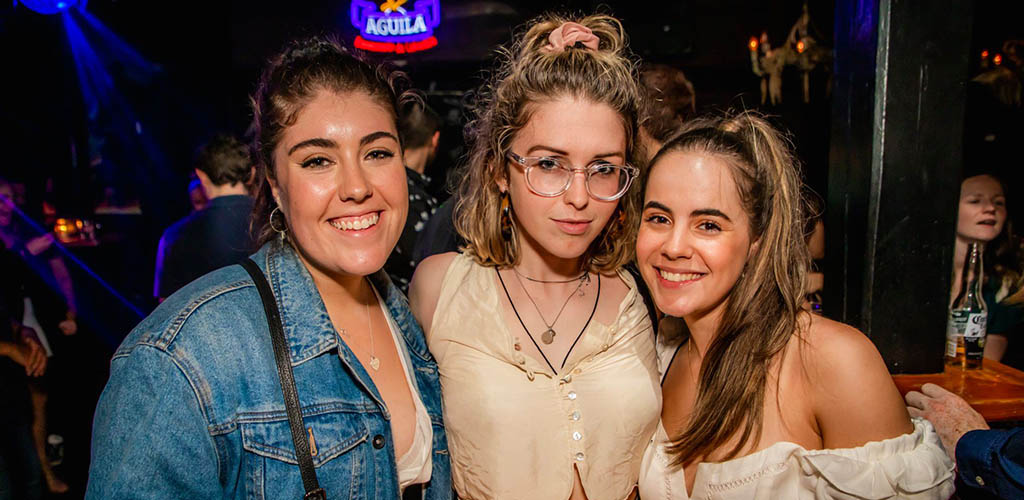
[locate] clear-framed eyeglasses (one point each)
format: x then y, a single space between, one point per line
549 177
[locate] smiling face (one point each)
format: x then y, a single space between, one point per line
982 209
695 238
341 184
582 133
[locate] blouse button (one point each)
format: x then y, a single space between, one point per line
575 415
579 457
577 436
572 395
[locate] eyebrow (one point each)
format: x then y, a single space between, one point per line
376 135
714 212
563 153
320 142
658 206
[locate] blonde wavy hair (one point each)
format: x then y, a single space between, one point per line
525 76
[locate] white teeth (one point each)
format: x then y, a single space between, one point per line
679 276
356 225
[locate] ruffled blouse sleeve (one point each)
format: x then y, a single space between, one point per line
913 466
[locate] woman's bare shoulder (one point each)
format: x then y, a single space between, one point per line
425 287
855 399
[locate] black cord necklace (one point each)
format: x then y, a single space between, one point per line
527 330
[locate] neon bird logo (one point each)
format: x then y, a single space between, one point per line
391 27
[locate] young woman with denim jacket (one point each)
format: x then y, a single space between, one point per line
194 407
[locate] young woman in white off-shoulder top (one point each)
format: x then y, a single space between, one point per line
760 398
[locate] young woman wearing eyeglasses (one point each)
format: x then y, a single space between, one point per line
544 344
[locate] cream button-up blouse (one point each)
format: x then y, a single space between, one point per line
516 430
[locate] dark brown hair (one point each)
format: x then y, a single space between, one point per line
669 100
225 160
763 307
527 74
292 79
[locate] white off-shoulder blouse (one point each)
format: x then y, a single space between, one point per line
912 466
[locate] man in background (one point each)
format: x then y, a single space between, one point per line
420 128
218 235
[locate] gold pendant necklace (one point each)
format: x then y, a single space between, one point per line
549 335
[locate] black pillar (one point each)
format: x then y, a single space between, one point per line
894 173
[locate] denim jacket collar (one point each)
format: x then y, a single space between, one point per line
300 303
307 326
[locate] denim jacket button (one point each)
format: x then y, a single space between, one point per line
378 441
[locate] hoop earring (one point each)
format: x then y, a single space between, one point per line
506 217
270 221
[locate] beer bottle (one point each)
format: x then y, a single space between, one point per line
965 331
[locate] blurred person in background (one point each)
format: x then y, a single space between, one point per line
196 196
982 218
37 274
21 357
420 129
40 253
668 100
814 235
217 235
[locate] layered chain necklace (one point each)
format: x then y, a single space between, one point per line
549 334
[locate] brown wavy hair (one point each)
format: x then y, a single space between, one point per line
291 80
763 307
525 76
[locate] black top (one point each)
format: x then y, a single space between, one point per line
15 406
422 205
439 236
208 239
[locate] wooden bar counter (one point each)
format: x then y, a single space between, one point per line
996 390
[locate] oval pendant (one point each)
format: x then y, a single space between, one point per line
548 336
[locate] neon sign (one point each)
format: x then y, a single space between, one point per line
390 27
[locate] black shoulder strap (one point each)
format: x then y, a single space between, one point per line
641 286
284 371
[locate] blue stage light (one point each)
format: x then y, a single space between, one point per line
52 6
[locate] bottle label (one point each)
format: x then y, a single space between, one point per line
956 325
975 325
950 348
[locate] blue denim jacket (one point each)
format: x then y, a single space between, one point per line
193 407
993 461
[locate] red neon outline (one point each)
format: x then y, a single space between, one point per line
395 47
